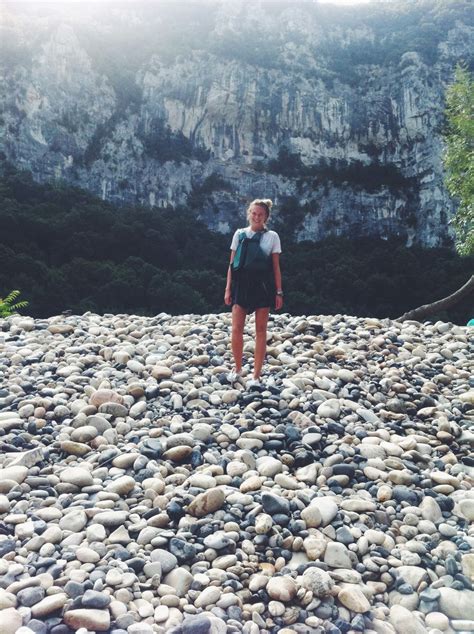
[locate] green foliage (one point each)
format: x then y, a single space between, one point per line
459 155
9 305
358 175
371 277
162 144
201 193
69 250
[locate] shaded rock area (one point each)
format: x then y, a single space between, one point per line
141 492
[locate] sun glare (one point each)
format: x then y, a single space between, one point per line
132 2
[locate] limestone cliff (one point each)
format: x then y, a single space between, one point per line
336 114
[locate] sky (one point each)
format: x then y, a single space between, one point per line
343 2
65 2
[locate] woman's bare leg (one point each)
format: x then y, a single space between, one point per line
261 320
237 342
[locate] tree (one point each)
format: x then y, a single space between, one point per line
459 163
459 156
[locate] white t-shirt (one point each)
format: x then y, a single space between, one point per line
269 243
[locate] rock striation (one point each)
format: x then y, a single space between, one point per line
133 500
354 101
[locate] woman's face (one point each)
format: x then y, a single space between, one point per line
258 216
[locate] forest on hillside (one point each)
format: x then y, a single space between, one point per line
68 250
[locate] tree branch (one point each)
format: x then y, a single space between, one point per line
429 309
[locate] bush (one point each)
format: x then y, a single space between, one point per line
9 305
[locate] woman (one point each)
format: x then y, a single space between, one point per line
253 284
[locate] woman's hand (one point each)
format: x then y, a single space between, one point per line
227 297
278 302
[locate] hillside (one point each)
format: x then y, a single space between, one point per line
336 113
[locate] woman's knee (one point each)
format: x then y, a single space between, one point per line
238 330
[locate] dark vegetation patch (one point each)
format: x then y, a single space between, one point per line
66 249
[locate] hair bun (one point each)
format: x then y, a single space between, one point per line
268 202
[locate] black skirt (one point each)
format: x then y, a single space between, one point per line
253 289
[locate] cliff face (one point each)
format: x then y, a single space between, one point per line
336 115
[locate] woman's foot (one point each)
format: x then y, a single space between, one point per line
254 383
234 376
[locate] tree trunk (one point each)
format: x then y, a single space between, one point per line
429 309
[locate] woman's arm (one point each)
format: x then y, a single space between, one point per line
227 294
277 277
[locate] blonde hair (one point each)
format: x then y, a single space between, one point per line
266 203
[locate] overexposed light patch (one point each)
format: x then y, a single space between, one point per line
340 3
85 3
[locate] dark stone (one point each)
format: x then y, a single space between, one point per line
234 612
183 551
121 553
430 594
199 624
260 541
76 603
6 580
175 510
292 433
195 458
404 494
37 626
32 429
31 596
457 585
61 629
136 564
324 610
151 448
344 469
74 589
44 562
315 329
274 445
281 519
451 566
152 391
144 474
303 457
405 588
382 518
151 513
125 620
334 486
7 546
96 600
464 580
274 505
335 428
296 526
108 455
56 570
343 625
358 623
344 536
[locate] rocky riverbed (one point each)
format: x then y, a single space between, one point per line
140 492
